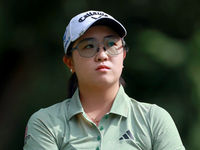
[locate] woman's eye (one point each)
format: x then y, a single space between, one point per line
89 46
110 44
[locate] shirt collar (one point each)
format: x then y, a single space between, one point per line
120 105
74 106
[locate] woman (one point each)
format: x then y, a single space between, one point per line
98 114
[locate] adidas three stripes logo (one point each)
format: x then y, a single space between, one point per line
127 135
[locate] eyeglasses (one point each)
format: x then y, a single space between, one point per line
90 46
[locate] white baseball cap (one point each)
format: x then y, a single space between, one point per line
80 23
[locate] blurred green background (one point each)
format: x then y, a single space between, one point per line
162 66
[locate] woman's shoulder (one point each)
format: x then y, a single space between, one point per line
143 106
47 123
151 110
160 124
52 113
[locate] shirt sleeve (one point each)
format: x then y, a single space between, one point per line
164 132
38 135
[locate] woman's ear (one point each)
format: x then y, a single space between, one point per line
124 54
68 61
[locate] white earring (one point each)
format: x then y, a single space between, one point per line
71 70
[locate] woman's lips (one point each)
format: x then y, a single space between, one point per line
102 68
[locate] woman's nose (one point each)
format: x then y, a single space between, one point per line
101 53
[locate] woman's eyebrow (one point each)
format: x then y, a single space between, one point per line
111 35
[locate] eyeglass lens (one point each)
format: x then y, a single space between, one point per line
90 46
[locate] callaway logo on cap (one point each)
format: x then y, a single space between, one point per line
80 23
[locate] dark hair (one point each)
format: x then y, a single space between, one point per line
72 85
73 80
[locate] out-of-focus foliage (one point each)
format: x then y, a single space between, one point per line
162 65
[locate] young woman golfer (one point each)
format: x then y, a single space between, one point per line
98 114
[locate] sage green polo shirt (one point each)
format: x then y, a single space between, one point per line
130 125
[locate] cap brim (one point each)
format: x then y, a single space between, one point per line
116 26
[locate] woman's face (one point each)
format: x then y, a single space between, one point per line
101 69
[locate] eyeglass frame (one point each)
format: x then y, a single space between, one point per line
97 50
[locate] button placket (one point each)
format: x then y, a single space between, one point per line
107 116
98 138
97 148
105 120
101 128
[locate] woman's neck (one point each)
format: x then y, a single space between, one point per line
97 101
